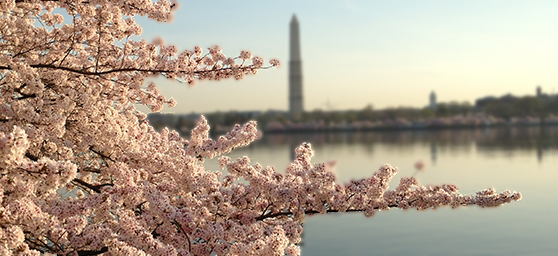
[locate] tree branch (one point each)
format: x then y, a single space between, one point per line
96 73
103 156
32 157
274 215
96 188
187 237
88 253
154 232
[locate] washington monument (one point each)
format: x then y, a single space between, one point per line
295 73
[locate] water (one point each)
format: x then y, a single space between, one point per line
523 159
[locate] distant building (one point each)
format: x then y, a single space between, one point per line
295 73
433 105
539 91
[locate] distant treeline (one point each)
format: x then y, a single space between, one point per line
347 116
505 107
509 106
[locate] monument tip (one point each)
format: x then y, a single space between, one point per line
294 19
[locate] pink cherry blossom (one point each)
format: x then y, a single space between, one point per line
83 173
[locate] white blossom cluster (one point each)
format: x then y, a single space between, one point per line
68 122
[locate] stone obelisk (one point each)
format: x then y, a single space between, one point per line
295 73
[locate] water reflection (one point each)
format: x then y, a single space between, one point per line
433 152
516 158
539 138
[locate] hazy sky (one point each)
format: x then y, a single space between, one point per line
384 53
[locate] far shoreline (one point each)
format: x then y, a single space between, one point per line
407 128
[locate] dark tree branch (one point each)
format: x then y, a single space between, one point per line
96 188
96 73
25 96
274 215
187 237
103 156
32 157
38 244
154 233
265 210
89 169
88 253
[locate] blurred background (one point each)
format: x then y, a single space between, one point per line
466 88
358 53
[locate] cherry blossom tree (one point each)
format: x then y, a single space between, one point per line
68 126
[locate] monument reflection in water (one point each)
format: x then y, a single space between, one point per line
524 159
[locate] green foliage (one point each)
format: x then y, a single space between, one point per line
508 107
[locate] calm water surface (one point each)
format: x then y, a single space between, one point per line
522 159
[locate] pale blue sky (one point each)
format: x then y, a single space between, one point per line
385 53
